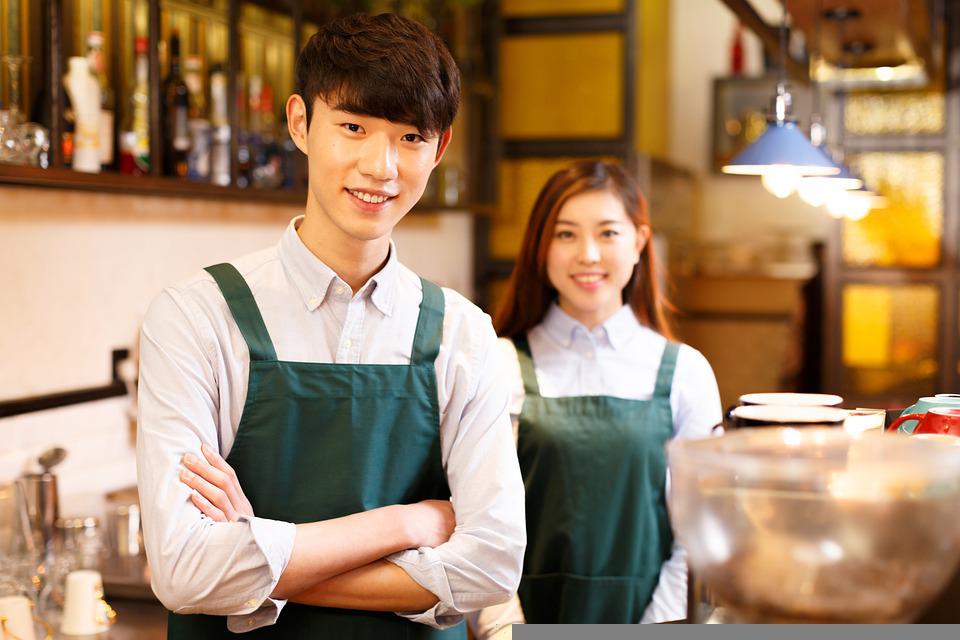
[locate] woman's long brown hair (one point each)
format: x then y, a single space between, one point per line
530 293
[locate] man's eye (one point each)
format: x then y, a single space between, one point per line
353 128
413 137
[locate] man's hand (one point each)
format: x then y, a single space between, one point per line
429 523
216 490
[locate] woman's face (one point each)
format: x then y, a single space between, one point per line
592 254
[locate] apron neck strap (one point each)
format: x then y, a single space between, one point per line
245 311
527 370
668 362
426 340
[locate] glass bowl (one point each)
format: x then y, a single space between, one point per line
818 525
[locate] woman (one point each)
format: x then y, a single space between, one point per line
599 388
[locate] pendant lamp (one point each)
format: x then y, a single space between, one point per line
783 154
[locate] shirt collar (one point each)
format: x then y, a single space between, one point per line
312 277
563 328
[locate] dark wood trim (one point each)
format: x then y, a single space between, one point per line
950 321
233 69
110 182
631 51
115 388
116 78
62 399
899 144
892 276
153 55
734 316
574 147
564 24
54 24
769 35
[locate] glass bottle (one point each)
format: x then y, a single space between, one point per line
95 59
176 104
198 158
220 125
135 147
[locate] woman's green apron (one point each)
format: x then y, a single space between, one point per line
594 469
318 441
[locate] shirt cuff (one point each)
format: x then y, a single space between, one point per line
425 567
275 540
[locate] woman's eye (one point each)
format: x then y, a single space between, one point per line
413 137
564 235
609 233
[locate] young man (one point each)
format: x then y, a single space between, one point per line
349 398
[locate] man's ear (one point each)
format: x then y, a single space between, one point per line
297 121
445 138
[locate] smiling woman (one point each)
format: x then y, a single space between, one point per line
599 386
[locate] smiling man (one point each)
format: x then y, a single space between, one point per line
324 448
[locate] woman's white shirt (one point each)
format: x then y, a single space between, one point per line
619 358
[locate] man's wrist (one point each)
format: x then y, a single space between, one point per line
401 517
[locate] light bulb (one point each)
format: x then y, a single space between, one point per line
854 205
813 192
780 181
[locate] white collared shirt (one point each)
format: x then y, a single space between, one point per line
194 366
619 358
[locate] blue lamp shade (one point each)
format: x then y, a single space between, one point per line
782 146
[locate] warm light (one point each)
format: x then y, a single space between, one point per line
780 180
854 205
884 74
817 190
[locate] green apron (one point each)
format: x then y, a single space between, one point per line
319 440
594 469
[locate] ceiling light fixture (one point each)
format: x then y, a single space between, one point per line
782 155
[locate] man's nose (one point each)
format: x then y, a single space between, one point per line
378 158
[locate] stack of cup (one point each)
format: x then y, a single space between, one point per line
85 612
786 409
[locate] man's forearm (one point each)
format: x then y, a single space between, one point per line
326 549
378 586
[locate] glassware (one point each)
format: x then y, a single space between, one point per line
817 525
23 143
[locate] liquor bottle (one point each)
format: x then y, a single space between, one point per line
267 159
220 124
198 158
176 104
135 143
95 59
736 52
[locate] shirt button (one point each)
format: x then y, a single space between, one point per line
339 291
251 622
348 343
251 603
314 302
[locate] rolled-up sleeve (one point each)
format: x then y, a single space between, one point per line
480 564
197 565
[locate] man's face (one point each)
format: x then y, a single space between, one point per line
365 172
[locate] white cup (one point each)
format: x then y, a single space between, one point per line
16 618
85 612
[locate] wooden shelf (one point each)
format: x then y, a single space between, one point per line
110 182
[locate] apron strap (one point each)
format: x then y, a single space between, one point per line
244 309
527 370
668 362
426 340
